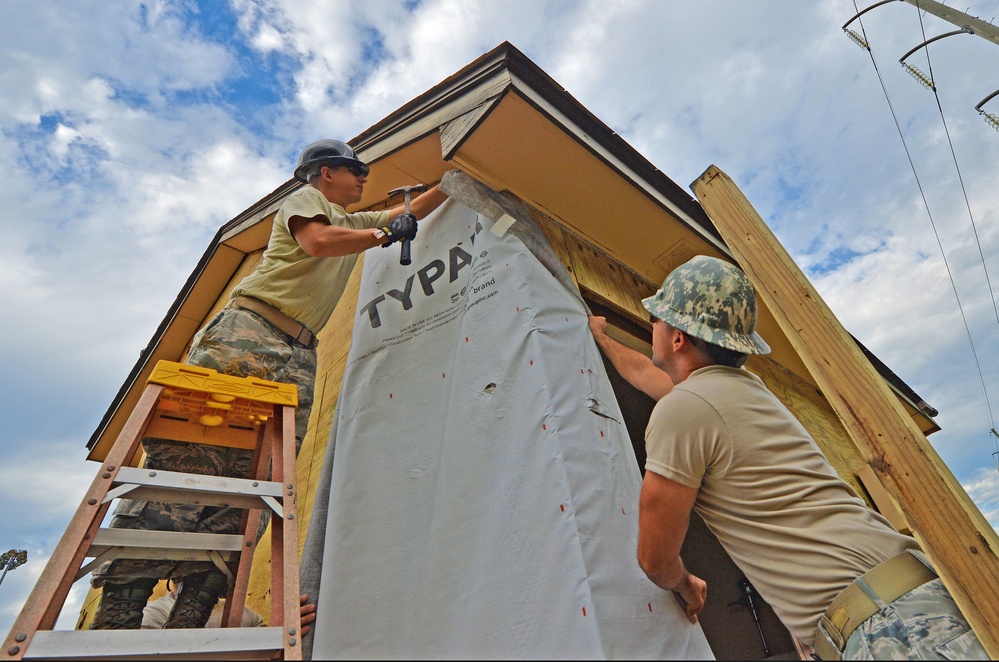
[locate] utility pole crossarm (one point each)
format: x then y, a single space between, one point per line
958 18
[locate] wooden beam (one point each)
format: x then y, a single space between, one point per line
952 531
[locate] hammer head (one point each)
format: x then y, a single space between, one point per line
408 190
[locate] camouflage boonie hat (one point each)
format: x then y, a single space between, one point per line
712 300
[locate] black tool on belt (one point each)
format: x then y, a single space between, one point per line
746 600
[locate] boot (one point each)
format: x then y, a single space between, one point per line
198 596
122 604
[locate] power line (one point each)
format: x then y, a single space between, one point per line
936 234
957 167
936 94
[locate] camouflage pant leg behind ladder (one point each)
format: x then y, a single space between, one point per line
198 596
122 604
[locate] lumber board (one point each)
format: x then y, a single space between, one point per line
609 281
952 531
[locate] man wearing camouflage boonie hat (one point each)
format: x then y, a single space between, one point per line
839 576
267 330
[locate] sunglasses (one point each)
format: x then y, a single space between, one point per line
357 169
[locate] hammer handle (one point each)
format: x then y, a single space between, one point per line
405 257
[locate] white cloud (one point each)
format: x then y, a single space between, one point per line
983 488
21 581
53 482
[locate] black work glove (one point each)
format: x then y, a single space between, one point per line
401 227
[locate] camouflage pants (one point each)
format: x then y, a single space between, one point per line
235 342
923 624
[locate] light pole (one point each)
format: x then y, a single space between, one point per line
12 559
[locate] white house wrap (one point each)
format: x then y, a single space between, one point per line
484 491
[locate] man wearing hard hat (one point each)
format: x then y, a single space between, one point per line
719 442
267 330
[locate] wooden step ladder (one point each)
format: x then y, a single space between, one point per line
195 404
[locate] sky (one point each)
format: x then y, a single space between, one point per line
131 130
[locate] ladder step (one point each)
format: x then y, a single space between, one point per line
138 544
177 487
205 643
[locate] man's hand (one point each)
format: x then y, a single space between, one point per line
598 327
692 592
635 367
401 227
307 613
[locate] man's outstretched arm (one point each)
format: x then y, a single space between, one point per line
663 517
423 204
319 238
635 367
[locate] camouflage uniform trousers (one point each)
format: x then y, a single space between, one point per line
923 624
235 342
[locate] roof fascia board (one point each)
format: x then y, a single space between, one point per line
468 90
495 73
572 112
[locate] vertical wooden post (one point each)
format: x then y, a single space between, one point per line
951 530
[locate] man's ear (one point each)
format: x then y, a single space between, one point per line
678 339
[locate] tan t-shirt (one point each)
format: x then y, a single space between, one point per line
303 287
799 533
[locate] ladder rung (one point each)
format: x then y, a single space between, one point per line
139 544
177 487
205 643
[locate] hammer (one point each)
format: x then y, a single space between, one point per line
405 258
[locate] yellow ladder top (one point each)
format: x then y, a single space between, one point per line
206 380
